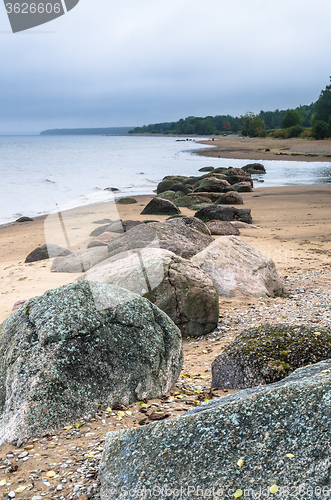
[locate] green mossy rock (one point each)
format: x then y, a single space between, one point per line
268 354
126 201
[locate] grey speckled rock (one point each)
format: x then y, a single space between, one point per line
80 261
179 288
177 235
238 269
268 353
201 449
76 347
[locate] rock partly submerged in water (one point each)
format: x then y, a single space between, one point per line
280 432
79 346
268 353
179 288
238 269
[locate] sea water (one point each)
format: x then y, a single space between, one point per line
39 174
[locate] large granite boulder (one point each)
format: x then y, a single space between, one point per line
220 212
77 347
179 288
79 262
269 353
279 432
177 235
160 206
46 252
238 269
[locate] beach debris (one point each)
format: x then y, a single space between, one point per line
274 488
18 304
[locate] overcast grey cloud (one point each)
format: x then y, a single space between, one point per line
115 64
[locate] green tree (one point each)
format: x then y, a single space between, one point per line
323 105
292 117
320 129
253 125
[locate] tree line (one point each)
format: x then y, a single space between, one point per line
313 120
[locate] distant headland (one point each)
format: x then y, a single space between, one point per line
87 131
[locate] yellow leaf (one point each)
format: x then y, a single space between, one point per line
90 456
129 413
3 482
203 377
50 473
240 463
144 405
109 409
78 425
289 455
205 352
20 489
187 375
180 397
198 392
68 427
119 418
100 448
207 399
274 488
238 493
120 414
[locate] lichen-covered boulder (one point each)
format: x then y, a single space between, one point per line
268 354
77 347
160 206
79 262
181 236
47 252
279 431
221 212
238 269
179 288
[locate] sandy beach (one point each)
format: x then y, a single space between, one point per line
256 148
294 229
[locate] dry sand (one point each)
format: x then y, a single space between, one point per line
254 148
294 230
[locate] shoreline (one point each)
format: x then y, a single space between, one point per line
254 148
295 231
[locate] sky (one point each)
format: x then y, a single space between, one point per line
132 63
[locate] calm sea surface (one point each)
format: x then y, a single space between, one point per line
39 173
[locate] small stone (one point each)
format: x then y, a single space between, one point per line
59 487
11 494
19 443
23 454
